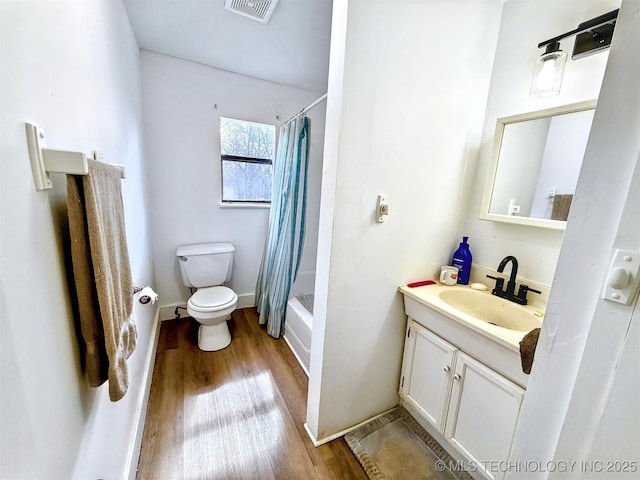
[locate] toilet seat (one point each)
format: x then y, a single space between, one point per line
212 299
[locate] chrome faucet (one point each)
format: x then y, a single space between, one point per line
509 292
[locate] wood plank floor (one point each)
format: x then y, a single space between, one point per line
233 414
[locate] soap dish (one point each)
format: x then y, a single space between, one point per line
479 286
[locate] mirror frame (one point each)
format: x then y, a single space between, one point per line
501 123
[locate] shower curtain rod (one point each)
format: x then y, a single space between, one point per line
308 107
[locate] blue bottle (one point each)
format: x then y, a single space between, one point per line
462 260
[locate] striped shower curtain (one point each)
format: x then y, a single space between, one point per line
285 237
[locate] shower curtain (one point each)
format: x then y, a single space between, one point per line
285 236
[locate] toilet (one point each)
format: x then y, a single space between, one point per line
206 266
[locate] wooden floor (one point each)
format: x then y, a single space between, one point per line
233 414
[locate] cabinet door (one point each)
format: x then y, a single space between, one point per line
483 413
427 374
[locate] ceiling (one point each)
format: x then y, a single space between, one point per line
292 49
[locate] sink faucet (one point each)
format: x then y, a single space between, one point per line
509 292
511 284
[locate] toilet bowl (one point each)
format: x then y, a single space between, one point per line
211 307
206 267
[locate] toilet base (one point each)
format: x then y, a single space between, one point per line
214 337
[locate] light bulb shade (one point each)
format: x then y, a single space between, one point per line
548 73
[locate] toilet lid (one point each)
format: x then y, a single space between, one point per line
212 297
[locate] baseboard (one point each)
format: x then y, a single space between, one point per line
322 441
144 399
168 312
312 437
247 300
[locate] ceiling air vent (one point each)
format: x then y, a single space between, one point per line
259 10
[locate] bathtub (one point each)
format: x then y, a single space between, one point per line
299 318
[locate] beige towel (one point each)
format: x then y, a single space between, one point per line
561 206
102 274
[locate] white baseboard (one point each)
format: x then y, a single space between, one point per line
247 300
322 441
144 399
168 312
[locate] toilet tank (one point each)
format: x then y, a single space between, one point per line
205 264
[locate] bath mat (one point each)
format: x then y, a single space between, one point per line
396 447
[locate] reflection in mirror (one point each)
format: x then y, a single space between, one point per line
535 165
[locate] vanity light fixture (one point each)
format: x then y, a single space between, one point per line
592 36
549 70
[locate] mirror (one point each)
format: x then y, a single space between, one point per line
535 164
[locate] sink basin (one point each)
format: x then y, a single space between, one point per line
491 309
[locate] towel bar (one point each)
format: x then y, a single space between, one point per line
45 161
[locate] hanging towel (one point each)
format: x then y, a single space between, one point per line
528 349
561 206
102 274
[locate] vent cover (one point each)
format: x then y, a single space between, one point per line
259 10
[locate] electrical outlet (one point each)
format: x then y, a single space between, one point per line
513 208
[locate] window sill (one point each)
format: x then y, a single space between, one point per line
243 205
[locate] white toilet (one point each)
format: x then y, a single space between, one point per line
206 266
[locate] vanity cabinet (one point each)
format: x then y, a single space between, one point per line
473 407
427 373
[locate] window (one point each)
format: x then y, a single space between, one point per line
247 150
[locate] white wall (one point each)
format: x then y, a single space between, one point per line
525 23
403 120
73 69
182 105
582 397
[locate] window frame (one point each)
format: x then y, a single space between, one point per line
245 159
238 158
